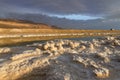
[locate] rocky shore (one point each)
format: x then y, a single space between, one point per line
98 59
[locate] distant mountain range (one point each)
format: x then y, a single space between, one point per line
66 23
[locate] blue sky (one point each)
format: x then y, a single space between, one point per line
76 16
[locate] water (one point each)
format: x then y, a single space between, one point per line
85 38
30 40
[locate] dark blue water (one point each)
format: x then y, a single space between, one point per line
85 38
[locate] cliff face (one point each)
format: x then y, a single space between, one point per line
23 24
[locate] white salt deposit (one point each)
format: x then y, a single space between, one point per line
98 59
5 50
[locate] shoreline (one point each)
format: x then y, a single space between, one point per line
62 60
17 36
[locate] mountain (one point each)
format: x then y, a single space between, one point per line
14 23
106 23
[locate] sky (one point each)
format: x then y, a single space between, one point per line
69 9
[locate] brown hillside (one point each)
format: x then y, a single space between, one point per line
6 23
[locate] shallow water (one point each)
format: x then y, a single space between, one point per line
85 38
24 41
30 40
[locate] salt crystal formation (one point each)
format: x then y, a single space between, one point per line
5 50
98 59
102 72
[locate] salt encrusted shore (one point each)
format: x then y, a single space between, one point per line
98 59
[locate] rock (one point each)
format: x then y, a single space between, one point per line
110 38
38 51
106 60
80 60
76 44
92 63
61 42
116 43
102 72
26 54
45 46
59 46
52 48
67 76
48 53
51 44
77 58
82 48
5 50
101 55
91 46
73 44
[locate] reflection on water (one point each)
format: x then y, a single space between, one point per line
22 41
86 38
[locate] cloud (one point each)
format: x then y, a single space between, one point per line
88 7
108 9
69 24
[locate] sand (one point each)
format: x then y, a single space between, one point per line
98 59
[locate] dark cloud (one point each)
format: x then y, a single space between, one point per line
32 10
69 24
90 7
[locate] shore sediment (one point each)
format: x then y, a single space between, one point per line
62 60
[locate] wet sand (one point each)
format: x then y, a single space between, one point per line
98 59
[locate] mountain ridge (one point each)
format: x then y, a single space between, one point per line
15 23
104 24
